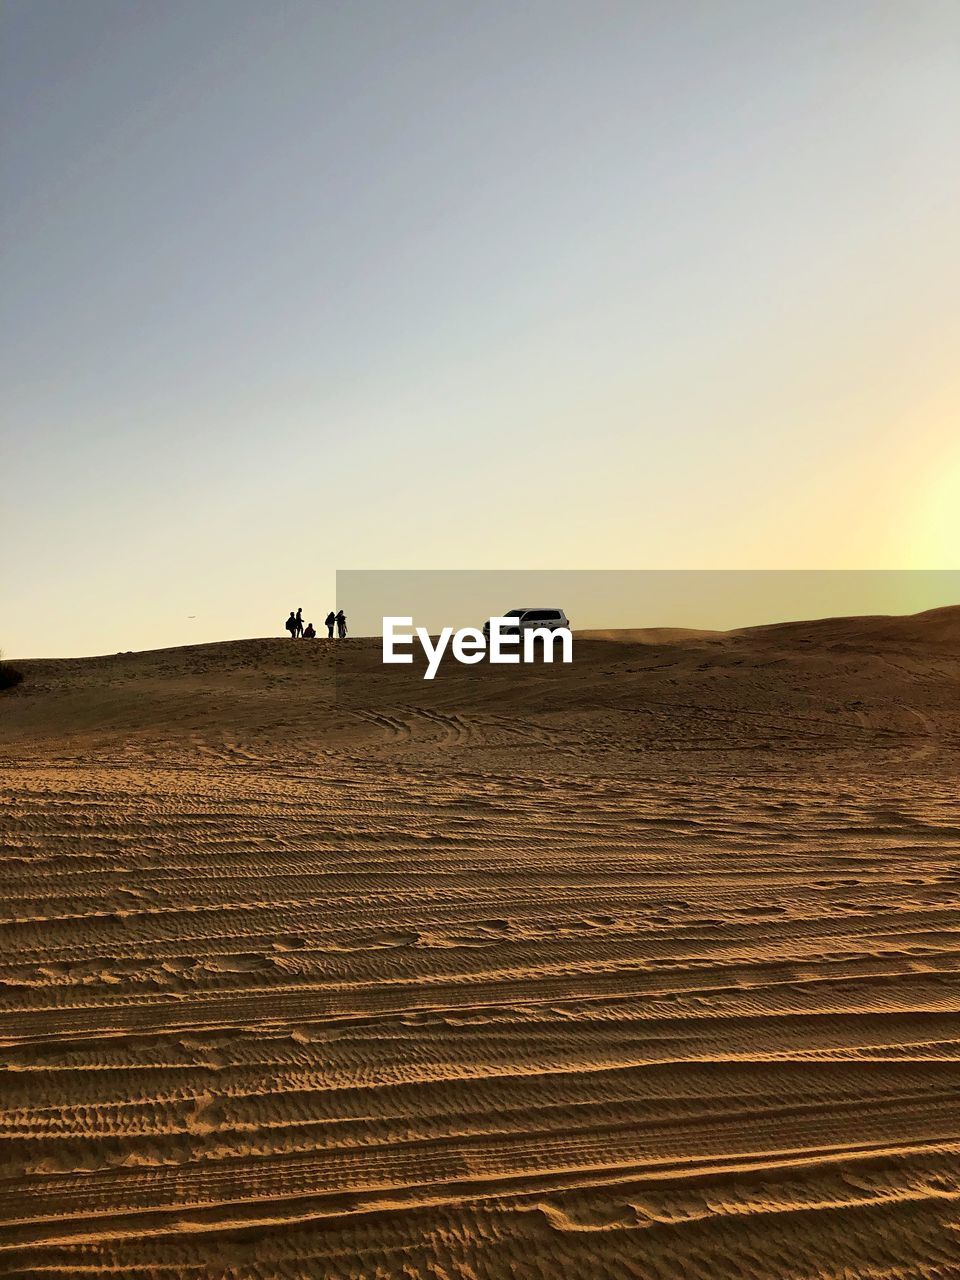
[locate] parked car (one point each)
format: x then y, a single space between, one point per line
528 619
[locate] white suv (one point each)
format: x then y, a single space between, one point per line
528 619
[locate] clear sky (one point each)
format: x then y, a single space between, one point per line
301 286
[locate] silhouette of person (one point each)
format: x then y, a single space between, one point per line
330 621
299 620
291 625
308 632
341 624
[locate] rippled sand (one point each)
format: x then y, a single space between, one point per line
640 968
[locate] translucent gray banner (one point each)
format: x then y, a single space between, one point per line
602 606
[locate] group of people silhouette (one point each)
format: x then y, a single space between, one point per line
298 631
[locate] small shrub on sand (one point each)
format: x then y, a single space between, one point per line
9 675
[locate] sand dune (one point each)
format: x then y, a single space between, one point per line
641 968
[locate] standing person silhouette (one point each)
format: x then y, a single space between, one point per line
330 621
291 625
299 621
341 624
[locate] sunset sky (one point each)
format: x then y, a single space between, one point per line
294 287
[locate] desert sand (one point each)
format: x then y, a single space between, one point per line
644 967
